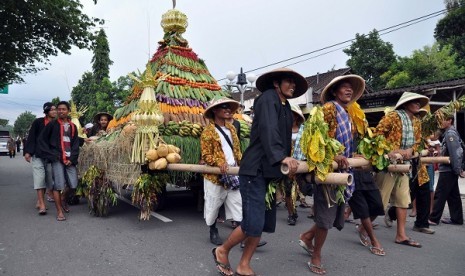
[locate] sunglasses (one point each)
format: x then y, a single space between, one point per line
224 106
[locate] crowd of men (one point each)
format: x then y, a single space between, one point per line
275 139
374 194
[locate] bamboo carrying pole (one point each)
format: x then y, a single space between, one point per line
428 159
354 163
332 178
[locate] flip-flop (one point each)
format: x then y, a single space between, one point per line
42 212
306 248
363 239
377 251
61 218
220 265
409 242
316 269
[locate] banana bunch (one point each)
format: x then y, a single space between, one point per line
172 128
245 130
196 130
185 128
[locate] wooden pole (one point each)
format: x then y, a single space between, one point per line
359 163
333 179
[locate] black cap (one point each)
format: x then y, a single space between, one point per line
47 107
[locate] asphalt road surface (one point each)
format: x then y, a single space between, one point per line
120 244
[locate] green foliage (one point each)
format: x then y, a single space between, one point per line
23 123
56 100
429 64
370 57
95 90
101 60
3 122
450 30
37 29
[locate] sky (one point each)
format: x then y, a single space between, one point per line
229 35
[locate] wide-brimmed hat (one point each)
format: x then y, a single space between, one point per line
218 100
296 109
358 86
265 81
100 114
410 96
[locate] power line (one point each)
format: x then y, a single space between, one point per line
385 31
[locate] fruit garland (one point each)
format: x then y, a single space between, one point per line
430 123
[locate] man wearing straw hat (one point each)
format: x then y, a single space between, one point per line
403 131
269 148
339 98
220 147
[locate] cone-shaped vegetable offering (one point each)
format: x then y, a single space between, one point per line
75 114
147 118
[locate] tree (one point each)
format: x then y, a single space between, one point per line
3 122
23 123
56 100
430 64
34 30
370 57
95 90
101 60
450 29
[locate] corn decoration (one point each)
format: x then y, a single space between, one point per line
431 122
147 118
75 114
317 146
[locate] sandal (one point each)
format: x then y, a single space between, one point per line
316 269
377 251
65 206
220 266
409 242
363 239
61 218
306 248
42 212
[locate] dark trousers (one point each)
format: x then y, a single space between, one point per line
447 189
423 203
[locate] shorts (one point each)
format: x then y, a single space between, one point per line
255 217
394 188
217 195
41 173
366 203
64 175
327 217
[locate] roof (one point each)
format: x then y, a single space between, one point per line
447 84
316 82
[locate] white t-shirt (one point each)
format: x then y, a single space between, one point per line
228 152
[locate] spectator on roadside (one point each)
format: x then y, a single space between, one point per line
270 146
11 145
447 189
18 144
41 171
59 144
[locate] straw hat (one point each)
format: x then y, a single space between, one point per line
410 96
265 81
296 109
218 100
100 114
358 86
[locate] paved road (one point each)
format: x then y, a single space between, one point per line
121 245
